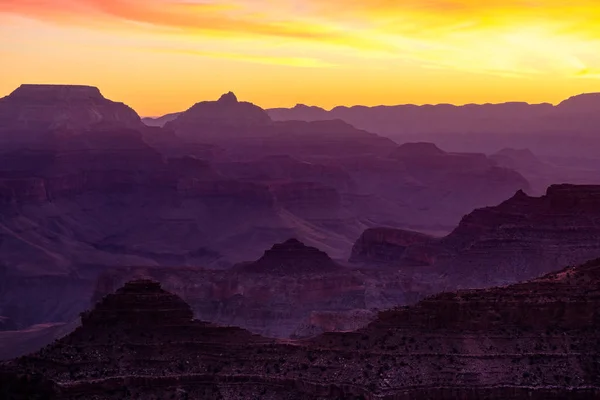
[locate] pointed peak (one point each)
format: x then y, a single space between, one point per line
229 98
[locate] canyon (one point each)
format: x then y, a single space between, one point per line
88 188
299 234
537 339
298 291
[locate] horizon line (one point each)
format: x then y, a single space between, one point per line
315 106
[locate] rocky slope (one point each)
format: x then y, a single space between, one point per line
536 340
519 239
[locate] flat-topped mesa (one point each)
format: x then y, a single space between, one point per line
292 257
39 108
140 302
50 93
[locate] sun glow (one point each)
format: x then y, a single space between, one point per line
163 55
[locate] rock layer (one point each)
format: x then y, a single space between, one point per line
519 239
536 340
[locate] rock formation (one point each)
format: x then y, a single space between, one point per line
224 117
536 340
280 294
40 109
519 239
247 131
292 257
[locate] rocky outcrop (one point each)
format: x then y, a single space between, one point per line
224 117
43 108
519 239
277 294
536 340
291 257
389 246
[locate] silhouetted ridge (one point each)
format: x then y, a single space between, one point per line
292 257
55 92
581 104
228 98
217 119
31 111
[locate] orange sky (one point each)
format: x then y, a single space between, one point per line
161 56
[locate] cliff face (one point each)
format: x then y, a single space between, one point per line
519 239
536 340
42 108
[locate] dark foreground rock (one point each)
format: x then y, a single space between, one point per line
536 340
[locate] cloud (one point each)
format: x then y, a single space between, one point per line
233 18
501 37
591 73
302 62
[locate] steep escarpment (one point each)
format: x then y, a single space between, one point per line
535 340
519 239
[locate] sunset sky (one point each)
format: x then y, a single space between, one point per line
162 56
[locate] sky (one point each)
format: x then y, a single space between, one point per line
161 56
